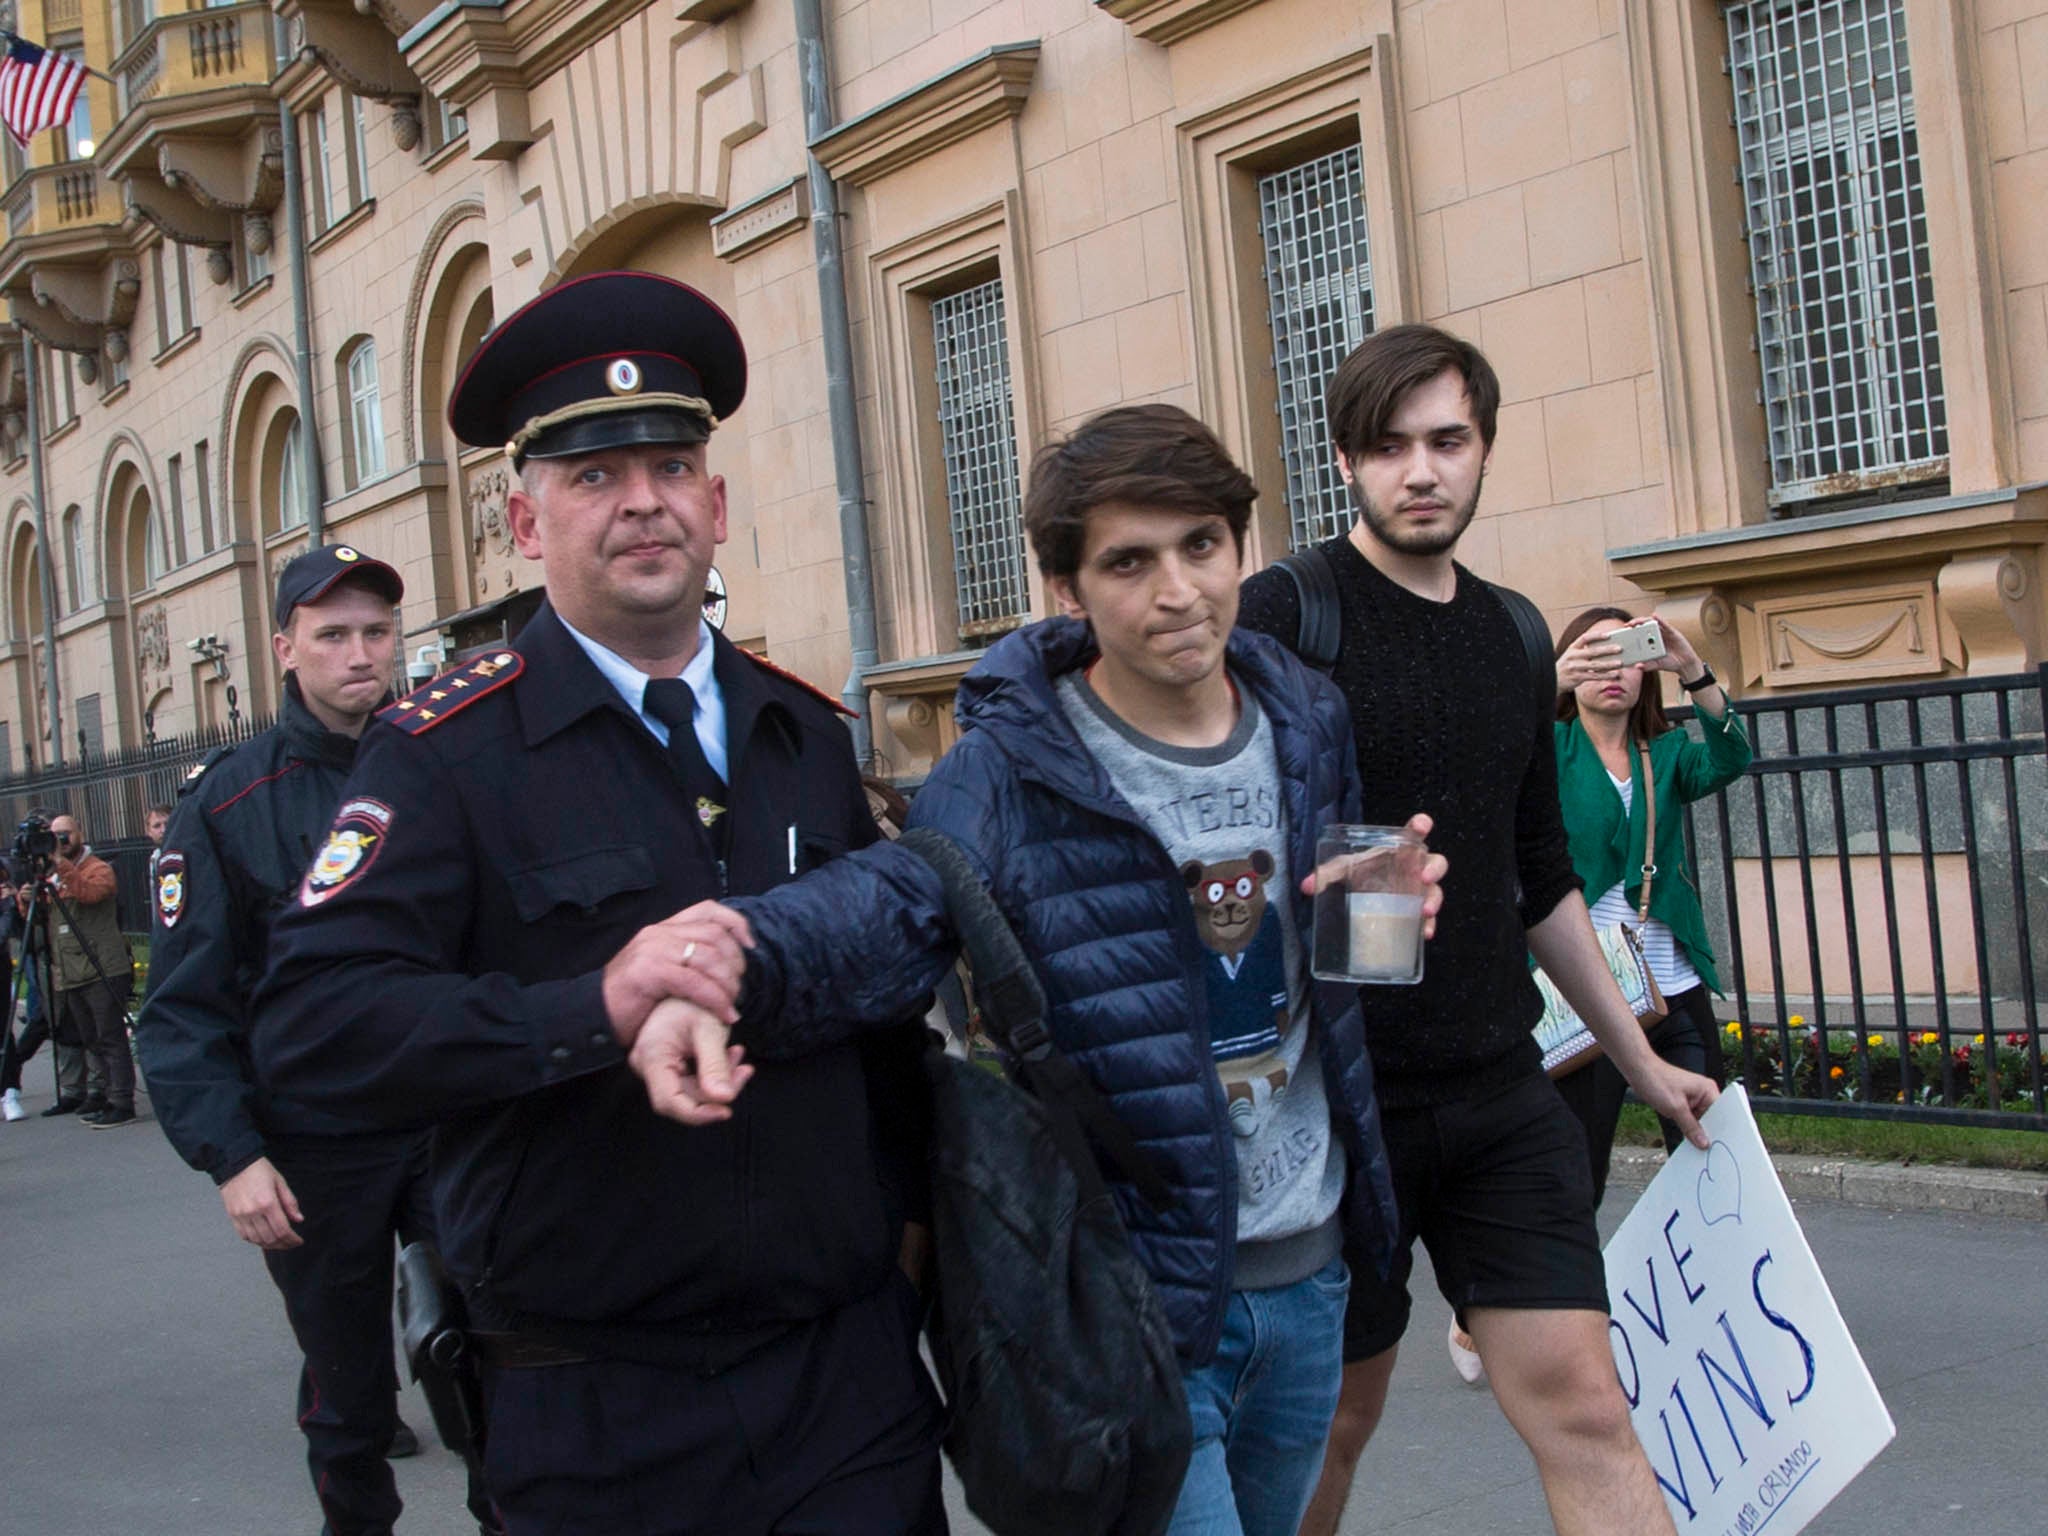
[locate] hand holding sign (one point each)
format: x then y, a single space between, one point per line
1746 1390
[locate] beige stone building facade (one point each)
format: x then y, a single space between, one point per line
1766 283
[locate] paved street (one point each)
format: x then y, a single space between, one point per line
146 1374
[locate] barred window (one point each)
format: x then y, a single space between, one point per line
1319 300
1837 233
978 440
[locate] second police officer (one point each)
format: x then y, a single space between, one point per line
322 1192
683 1328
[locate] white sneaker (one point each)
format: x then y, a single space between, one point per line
10 1105
1464 1358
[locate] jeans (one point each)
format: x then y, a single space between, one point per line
1262 1409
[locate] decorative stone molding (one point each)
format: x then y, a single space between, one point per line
117 345
152 645
768 217
1830 638
257 233
405 124
1168 21
1924 589
986 89
916 699
88 368
355 50
1994 603
415 303
219 266
709 10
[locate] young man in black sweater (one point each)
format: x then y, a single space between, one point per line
1488 1164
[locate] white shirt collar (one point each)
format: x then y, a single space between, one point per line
631 685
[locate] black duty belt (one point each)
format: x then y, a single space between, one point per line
520 1351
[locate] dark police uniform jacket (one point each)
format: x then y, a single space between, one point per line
243 830
442 966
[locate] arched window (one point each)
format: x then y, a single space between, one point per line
365 415
291 479
74 559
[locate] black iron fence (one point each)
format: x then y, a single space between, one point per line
111 793
1876 887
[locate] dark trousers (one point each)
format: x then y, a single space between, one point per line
98 1017
356 1193
832 1430
1685 1037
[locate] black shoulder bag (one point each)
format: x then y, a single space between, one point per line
1067 1414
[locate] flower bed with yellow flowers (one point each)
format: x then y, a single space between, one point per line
1881 1068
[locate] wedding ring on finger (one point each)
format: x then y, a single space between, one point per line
689 949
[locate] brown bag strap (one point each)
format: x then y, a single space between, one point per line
1649 828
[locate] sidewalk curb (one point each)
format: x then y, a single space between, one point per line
1893 1186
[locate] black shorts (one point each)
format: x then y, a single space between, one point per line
1499 1189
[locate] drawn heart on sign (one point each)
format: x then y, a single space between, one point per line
1720 1187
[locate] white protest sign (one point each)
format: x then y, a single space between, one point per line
1747 1391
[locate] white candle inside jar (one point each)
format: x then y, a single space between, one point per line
1386 931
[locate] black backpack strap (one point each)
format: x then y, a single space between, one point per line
1535 635
1321 631
1013 1013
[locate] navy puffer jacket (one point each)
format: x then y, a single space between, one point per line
1105 917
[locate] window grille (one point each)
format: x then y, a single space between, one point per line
1319 300
979 442
1837 231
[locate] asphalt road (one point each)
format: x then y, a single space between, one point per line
147 1376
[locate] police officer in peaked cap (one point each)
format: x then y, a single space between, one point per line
322 1191
682 1328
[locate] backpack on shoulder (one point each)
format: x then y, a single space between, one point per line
1320 635
1066 1414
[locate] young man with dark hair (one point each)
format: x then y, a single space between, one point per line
1141 787
1488 1164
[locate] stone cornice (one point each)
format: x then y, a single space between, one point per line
1168 21
988 88
1836 541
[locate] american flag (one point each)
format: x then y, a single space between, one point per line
36 88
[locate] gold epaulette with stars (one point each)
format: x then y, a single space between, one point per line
790 677
431 703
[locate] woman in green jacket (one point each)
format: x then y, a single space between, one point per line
1603 707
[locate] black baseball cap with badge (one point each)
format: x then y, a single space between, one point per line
311 576
611 360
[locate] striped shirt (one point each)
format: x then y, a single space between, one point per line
1673 972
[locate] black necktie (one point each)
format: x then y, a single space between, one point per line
670 701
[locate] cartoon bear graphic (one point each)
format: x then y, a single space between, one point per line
1246 976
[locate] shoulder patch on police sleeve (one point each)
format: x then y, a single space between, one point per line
358 835
811 688
170 887
198 770
431 703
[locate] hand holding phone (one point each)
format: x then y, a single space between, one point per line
1640 643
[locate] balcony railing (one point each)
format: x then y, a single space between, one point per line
193 51
54 197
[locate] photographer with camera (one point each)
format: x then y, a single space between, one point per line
68 893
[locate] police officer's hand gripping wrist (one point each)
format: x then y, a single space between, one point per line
697 956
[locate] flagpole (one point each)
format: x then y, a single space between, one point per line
35 465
